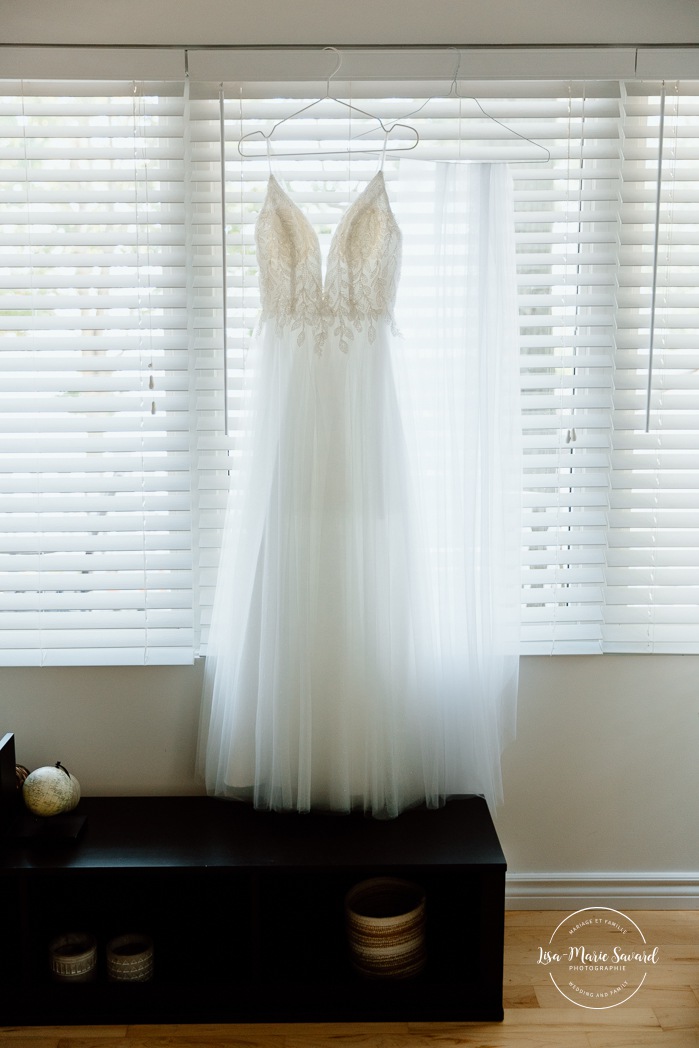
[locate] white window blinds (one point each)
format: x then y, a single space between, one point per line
95 557
124 260
567 214
652 576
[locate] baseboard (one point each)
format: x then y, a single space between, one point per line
621 891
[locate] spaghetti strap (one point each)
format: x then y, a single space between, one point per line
383 151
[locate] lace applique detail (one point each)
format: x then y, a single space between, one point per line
363 267
362 275
291 283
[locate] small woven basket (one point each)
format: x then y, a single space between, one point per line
130 958
385 925
73 957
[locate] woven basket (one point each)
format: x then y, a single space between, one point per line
130 958
73 957
385 925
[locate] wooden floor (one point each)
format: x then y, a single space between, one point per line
663 1014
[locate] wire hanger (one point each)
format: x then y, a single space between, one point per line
386 128
454 92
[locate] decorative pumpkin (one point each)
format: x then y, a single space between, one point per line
51 791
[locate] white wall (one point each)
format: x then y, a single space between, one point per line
603 777
602 780
131 730
602 784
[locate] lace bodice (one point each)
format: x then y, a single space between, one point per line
362 271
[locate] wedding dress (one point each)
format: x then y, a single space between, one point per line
316 691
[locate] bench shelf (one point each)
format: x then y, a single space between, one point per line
245 909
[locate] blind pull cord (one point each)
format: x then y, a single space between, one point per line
224 253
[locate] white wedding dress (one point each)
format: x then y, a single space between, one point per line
316 694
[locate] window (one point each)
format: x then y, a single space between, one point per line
113 275
651 598
95 520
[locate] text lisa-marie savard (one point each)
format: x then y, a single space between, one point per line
615 960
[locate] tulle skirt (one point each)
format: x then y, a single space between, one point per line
318 691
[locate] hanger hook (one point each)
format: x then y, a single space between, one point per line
453 90
336 70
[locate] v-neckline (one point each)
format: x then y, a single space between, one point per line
323 269
350 207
